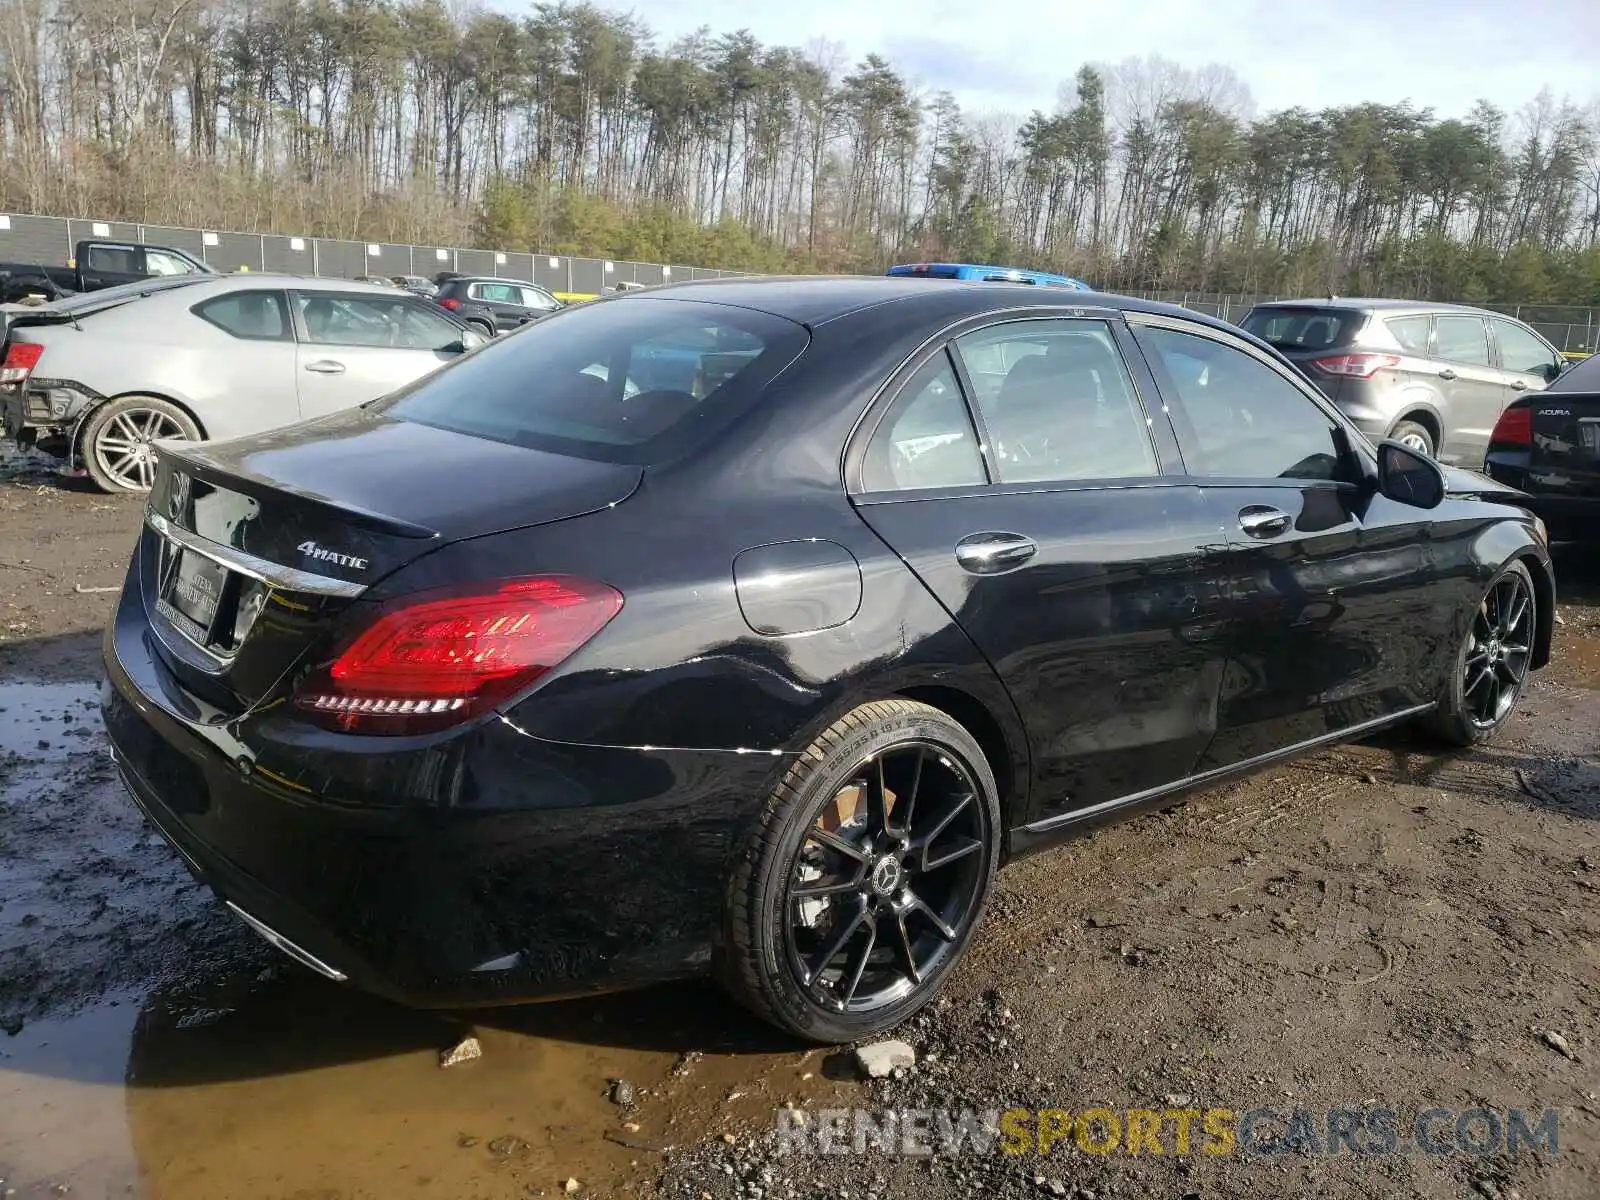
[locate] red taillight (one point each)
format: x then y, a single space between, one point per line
1514 428
21 359
437 660
1355 366
450 302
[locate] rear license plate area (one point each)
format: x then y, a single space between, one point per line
193 589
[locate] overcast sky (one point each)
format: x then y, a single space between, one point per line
1010 55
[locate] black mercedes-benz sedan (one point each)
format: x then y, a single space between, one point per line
747 627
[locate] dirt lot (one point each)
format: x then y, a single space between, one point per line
1376 926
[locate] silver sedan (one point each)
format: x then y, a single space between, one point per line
98 377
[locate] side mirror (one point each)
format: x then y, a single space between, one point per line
1408 477
1553 371
469 339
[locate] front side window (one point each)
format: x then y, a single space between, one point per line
533 297
255 316
159 262
1522 350
1461 339
626 382
397 323
1250 422
926 440
1064 408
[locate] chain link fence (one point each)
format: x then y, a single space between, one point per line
51 241
1572 329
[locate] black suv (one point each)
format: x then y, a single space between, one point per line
494 305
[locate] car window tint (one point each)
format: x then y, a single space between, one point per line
498 293
695 366
1520 350
1460 339
1304 328
258 316
1064 406
1250 421
374 321
1410 332
927 439
123 260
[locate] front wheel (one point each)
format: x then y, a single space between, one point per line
1492 663
867 875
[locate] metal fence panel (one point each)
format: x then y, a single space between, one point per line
288 255
341 259
428 261
235 250
392 258
550 272
518 265
648 274
588 276
40 240
105 231
475 262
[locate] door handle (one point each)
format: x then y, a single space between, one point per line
1261 521
991 553
326 366
1447 373
1519 385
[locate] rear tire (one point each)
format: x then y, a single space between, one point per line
1416 436
116 440
912 859
1491 666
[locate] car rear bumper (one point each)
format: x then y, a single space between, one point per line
488 868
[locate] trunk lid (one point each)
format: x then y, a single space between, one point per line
1564 459
254 548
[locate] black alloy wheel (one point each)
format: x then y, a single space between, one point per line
871 871
1492 664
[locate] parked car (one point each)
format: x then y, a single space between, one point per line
416 284
494 305
987 274
512 684
1434 376
1548 445
95 265
375 280
99 378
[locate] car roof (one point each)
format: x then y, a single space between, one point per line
494 279
816 299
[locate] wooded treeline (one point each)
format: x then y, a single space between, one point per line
571 129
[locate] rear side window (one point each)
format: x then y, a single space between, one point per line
1304 328
496 293
1410 332
124 260
1461 339
256 316
634 380
926 440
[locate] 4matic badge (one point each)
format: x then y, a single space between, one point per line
311 550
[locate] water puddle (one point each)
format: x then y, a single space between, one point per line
161 1050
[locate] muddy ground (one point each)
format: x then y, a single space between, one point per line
1378 925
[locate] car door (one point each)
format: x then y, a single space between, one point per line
1053 532
1473 389
1527 362
1335 600
504 301
250 374
355 347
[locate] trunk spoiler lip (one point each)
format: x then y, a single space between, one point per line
192 458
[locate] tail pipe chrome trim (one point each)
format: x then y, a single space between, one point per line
298 953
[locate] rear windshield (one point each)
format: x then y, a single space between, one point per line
635 380
1304 328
